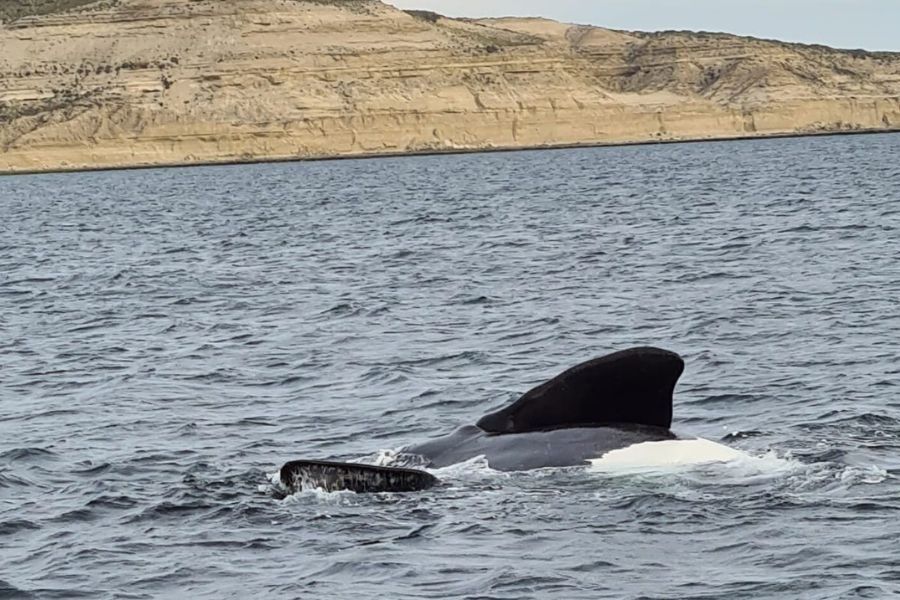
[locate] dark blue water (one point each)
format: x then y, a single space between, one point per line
168 338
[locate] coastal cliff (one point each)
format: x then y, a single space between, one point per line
122 83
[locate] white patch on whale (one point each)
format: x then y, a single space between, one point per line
665 454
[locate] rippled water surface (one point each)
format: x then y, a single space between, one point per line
170 337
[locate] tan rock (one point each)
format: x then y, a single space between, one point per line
120 83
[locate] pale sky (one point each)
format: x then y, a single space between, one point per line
869 24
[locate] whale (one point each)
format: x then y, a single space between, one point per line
608 403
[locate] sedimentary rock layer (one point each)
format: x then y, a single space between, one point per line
121 83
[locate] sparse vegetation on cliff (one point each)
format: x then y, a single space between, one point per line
357 6
11 10
425 15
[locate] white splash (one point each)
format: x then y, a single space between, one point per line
274 478
475 465
666 454
385 458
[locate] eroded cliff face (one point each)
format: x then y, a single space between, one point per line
158 82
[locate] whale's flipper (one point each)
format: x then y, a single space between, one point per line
339 477
632 386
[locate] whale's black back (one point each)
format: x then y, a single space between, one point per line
631 386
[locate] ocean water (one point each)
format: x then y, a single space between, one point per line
168 338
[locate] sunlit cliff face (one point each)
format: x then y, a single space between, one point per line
125 83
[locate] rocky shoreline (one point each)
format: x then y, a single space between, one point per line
262 160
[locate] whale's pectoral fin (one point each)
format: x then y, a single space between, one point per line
632 386
338 477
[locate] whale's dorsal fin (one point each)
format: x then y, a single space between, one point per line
632 386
